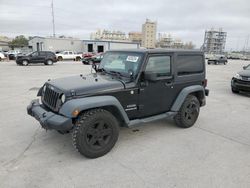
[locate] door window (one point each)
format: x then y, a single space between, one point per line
161 65
34 54
70 53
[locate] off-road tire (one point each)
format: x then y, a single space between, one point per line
188 113
89 136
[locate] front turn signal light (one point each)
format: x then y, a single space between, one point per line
75 112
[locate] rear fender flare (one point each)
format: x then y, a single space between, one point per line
184 93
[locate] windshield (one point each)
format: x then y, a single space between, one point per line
248 67
126 63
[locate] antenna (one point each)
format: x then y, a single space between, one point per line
53 18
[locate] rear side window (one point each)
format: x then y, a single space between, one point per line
189 64
42 53
50 54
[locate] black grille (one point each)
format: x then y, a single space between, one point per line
243 82
50 98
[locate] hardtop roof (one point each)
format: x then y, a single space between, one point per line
159 50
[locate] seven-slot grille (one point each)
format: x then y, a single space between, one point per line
50 98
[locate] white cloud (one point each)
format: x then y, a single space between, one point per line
183 19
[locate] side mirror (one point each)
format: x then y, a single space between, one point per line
150 76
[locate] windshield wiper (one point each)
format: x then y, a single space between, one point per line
116 73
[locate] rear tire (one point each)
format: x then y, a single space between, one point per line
95 133
188 113
49 62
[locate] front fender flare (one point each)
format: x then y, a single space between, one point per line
184 93
92 102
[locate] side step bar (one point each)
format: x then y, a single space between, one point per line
152 118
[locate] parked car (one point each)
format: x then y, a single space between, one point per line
96 59
88 54
46 57
12 54
68 55
217 59
129 87
241 81
2 56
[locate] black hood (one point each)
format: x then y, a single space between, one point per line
87 84
245 73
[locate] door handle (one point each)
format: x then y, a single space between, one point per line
169 83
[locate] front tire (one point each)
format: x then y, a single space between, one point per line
188 113
59 58
25 63
95 133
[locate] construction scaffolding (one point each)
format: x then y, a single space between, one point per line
214 41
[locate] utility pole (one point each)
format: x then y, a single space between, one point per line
53 18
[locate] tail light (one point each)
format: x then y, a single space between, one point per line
204 83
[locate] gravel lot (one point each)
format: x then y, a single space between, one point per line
213 153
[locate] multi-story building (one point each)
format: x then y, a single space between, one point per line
4 43
165 40
149 34
108 35
214 41
135 37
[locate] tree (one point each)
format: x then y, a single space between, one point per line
19 41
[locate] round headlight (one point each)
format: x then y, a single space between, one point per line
63 98
44 88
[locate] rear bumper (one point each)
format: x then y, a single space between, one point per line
206 92
48 119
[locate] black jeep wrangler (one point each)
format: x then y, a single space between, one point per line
128 87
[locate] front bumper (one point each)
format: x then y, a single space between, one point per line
48 119
240 85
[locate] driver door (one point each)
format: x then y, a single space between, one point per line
34 57
156 96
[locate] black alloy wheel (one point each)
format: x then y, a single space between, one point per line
188 113
95 133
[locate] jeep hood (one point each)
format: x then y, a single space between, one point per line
86 85
245 73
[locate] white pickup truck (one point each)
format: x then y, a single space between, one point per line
68 55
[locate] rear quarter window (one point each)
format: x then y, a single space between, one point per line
189 64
